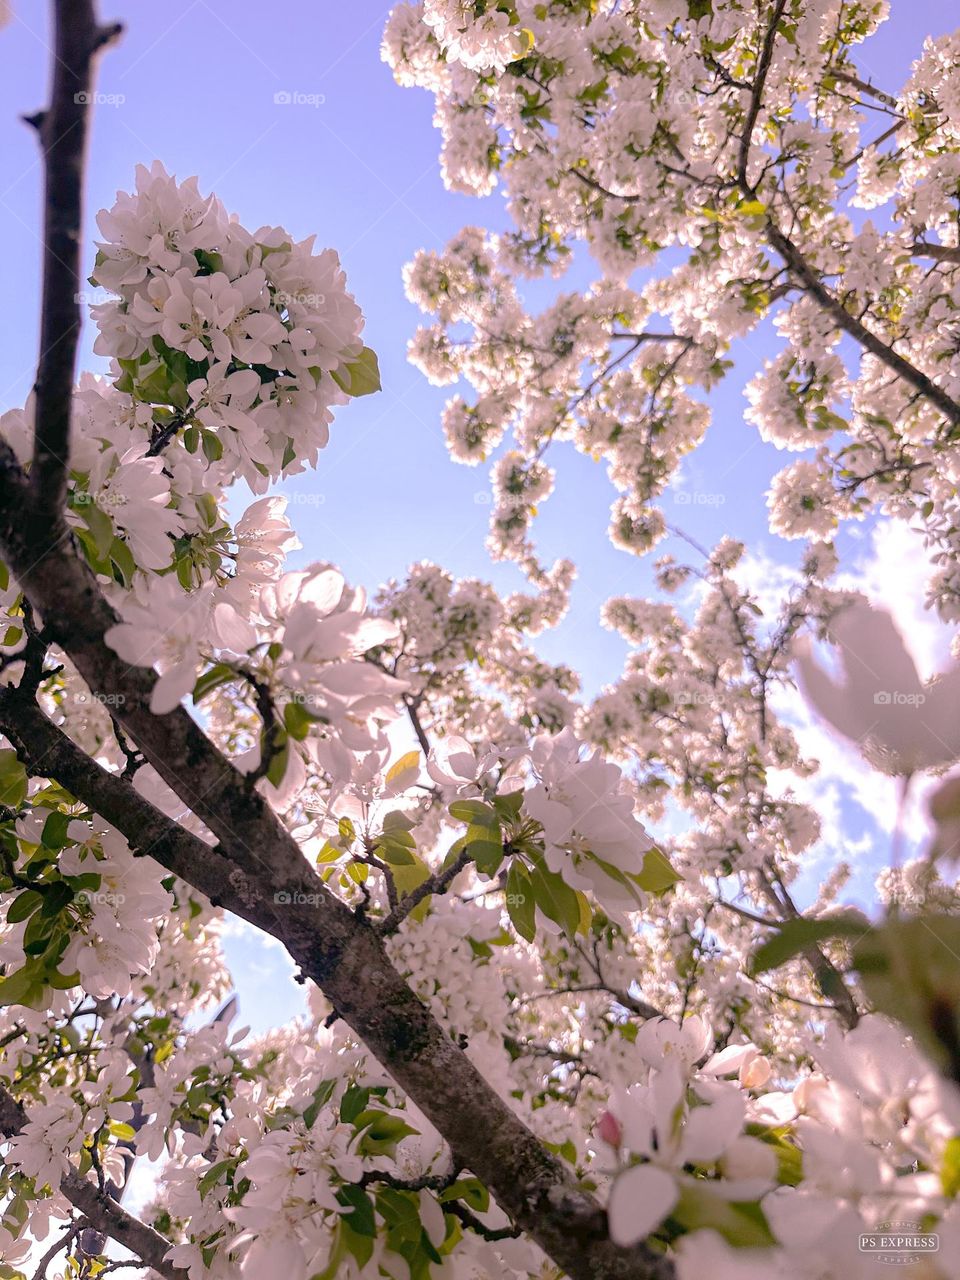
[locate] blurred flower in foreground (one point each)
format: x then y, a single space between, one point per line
900 724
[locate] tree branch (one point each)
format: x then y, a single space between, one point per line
756 95
938 252
438 883
62 129
808 278
345 957
101 1210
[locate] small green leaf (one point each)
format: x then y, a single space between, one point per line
298 720
361 1216
353 1102
471 1191
950 1168
521 906
395 854
211 679
54 834
279 760
346 830
408 763
321 1096
476 812
100 526
23 906
556 899
360 377
212 448
213 1176
794 935
13 779
657 875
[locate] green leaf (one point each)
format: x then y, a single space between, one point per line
23 906
353 1102
209 260
752 208
408 877
213 1176
395 854
471 1191
100 526
55 898
298 720
54 835
521 906
408 763
556 899
62 981
910 972
794 936
123 561
950 1168
13 779
211 679
487 855
476 812
657 874
20 987
741 1224
508 806
121 1131
382 1132
212 448
360 377
321 1096
361 1217
279 759
346 830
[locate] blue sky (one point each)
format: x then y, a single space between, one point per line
193 84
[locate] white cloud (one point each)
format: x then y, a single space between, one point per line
892 571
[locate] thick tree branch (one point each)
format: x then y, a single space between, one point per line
938 252
345 957
800 268
97 1206
63 132
756 96
809 279
255 857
